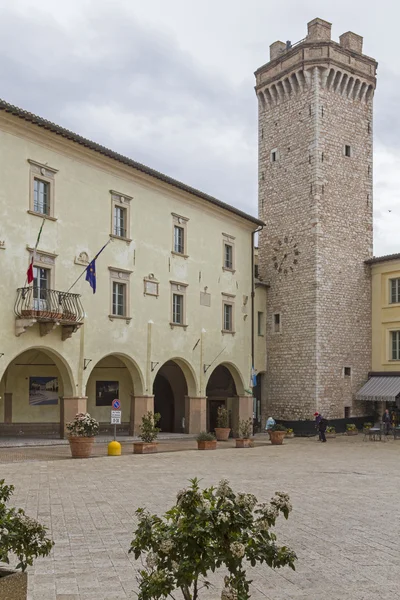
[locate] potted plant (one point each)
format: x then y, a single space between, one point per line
289 433
82 431
276 434
22 537
245 432
222 429
330 432
366 427
351 429
148 434
206 441
213 530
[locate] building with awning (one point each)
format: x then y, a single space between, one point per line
380 389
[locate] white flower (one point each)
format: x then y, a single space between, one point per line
207 504
223 488
237 549
222 518
174 565
151 560
247 500
228 594
262 525
166 546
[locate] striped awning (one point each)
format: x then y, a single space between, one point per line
380 389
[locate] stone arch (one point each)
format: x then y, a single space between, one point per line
330 79
174 384
370 93
356 88
31 389
268 97
225 387
115 375
343 83
336 81
261 100
294 83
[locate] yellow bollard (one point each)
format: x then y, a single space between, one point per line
114 449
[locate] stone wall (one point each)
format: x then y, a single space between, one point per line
317 206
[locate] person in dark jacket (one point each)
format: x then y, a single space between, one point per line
387 422
320 425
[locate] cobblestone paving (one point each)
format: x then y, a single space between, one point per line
344 526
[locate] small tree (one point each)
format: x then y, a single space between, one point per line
205 530
245 428
20 534
222 417
148 429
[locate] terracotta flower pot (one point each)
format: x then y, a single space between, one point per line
81 447
277 437
352 432
144 447
13 585
207 445
243 443
222 433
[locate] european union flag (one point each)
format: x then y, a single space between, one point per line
91 274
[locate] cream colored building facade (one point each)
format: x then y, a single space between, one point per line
170 325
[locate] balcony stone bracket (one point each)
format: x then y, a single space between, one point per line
68 330
45 327
21 325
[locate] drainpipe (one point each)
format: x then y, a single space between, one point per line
253 233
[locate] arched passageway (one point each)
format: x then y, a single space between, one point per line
220 390
225 388
170 389
31 393
113 376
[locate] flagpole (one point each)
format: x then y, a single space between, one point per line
86 268
35 248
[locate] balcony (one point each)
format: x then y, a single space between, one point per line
50 309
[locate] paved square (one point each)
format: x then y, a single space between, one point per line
344 525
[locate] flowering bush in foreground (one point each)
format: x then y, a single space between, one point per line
205 530
83 425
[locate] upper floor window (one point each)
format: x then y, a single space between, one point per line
228 249
394 290
178 304
119 280
179 235
41 200
41 196
179 239
274 155
120 206
347 151
277 323
228 322
395 340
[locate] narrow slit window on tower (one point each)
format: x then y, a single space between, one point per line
347 150
347 371
277 323
274 155
347 412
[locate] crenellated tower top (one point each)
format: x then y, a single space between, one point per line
343 67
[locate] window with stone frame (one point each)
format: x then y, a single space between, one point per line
119 294
395 345
179 235
276 323
178 304
120 216
228 313
42 185
394 291
260 323
228 252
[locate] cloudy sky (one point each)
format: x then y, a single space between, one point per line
170 82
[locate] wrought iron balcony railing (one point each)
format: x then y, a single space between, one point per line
48 305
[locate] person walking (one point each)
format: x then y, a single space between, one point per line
387 421
320 426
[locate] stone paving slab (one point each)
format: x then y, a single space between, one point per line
344 526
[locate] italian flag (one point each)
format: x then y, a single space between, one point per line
29 273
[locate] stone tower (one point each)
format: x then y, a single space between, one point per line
315 196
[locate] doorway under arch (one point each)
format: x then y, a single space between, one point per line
170 389
114 376
221 388
31 391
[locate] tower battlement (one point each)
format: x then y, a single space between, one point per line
344 69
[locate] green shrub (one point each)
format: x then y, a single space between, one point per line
207 530
245 428
367 425
278 427
222 417
204 436
351 427
19 534
330 429
148 429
